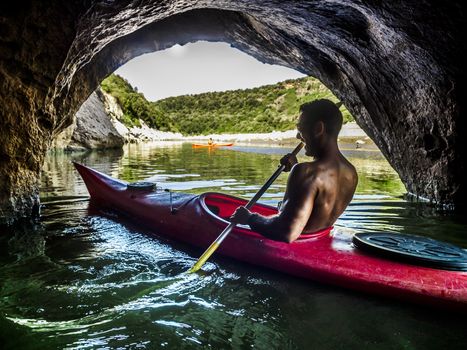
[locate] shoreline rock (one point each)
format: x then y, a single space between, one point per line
134 134
91 129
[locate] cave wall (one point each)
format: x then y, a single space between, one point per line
397 66
34 42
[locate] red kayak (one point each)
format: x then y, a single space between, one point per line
199 145
326 256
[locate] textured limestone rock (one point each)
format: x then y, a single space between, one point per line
63 139
397 66
97 125
135 134
93 126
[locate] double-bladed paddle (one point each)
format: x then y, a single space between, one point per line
214 245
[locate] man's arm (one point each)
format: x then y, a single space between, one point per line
290 222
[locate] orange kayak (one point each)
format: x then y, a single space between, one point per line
200 145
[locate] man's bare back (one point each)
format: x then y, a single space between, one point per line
317 192
323 189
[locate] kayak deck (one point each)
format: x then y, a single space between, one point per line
324 257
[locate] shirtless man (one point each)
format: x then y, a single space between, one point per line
317 192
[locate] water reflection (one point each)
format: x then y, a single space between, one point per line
82 278
237 170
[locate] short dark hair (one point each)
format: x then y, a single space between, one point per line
325 111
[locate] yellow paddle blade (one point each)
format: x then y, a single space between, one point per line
212 248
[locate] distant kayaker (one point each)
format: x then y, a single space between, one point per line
317 192
210 141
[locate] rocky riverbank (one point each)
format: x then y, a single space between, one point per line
97 125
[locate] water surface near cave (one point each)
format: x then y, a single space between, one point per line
85 279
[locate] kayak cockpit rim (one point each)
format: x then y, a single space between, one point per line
208 200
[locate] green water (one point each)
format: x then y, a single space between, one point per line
83 279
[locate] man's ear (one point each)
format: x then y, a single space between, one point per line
319 128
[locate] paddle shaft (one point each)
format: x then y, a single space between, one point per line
214 245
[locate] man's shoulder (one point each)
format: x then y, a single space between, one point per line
314 166
304 179
305 170
304 166
316 172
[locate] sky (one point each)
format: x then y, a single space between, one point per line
199 67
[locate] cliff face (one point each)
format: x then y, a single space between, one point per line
398 67
92 128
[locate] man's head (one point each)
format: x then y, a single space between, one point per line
319 119
324 111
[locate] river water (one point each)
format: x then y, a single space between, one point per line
84 279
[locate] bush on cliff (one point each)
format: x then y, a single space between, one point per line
262 109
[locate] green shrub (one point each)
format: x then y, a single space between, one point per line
261 109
